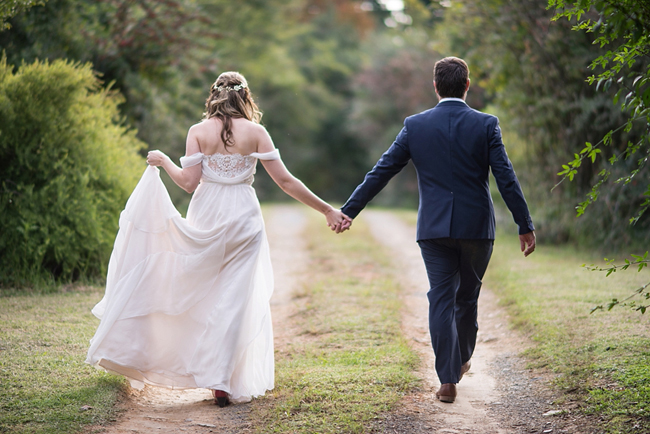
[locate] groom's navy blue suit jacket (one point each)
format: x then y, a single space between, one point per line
453 148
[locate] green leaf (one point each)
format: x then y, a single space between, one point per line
593 154
646 97
596 308
571 174
636 80
618 95
607 85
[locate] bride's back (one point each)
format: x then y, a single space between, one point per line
245 136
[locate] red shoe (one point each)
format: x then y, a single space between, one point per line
220 398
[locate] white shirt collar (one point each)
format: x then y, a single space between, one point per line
452 99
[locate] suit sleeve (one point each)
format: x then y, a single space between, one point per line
507 181
390 164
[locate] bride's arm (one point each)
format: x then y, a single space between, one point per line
294 187
187 178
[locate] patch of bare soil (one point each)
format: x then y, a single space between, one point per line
159 410
498 394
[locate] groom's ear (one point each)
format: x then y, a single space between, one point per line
467 87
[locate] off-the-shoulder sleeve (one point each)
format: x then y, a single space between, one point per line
273 155
191 160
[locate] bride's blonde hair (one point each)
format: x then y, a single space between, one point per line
230 98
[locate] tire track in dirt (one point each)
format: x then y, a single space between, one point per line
192 411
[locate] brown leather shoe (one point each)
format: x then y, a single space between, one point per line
465 368
447 392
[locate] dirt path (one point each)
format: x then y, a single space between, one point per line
157 410
497 395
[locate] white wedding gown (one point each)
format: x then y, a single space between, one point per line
187 300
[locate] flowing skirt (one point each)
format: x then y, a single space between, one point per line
187 300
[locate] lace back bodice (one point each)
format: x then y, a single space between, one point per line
228 168
230 165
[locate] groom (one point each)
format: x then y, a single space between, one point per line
453 148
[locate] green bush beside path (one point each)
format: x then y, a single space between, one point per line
67 166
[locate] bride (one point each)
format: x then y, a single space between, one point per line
187 300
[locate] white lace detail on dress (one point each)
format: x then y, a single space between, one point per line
231 165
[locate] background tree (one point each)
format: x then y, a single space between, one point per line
394 82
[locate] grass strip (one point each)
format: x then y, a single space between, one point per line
601 360
45 387
350 361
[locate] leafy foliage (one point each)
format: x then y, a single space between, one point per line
624 26
140 48
66 169
9 8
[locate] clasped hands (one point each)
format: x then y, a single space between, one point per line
337 221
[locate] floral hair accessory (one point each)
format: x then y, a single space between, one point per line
236 88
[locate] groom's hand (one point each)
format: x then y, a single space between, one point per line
344 226
527 242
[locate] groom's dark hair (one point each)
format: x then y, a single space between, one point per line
451 75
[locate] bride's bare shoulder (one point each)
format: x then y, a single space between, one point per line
203 125
254 126
250 128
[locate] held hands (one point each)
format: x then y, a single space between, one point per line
156 158
345 225
527 242
337 221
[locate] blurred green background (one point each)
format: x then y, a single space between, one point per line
335 79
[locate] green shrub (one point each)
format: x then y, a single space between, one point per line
67 166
